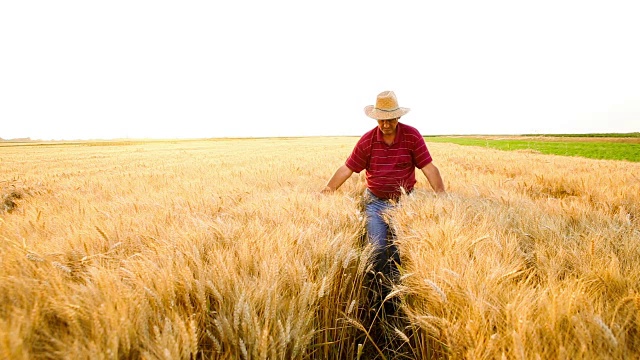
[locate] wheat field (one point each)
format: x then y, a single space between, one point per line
224 249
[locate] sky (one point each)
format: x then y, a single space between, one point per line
207 69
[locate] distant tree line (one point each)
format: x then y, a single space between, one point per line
17 139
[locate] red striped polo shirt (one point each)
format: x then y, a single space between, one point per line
390 167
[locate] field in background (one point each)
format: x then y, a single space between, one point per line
609 136
224 249
596 146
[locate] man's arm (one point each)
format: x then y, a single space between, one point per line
433 175
341 175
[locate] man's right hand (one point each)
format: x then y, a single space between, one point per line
327 190
341 175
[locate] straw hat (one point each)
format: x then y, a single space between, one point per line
386 107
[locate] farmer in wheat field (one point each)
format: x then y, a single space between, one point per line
389 153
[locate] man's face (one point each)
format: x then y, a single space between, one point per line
388 127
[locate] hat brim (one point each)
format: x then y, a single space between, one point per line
378 114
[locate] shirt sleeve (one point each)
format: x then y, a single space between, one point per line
420 153
359 158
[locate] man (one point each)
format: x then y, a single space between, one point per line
389 153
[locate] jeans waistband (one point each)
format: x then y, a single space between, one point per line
370 193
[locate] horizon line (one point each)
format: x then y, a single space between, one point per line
132 139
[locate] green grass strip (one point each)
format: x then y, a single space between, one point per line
593 150
592 135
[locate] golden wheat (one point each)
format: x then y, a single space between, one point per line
224 249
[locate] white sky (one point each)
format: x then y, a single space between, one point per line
192 69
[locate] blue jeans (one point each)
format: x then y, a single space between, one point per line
381 236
